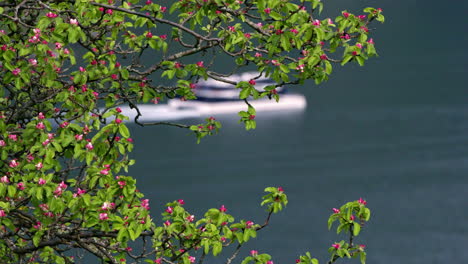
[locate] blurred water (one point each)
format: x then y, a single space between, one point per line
393 132
409 163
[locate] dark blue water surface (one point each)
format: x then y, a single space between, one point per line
394 132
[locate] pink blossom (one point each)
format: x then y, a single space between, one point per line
73 21
362 201
40 125
247 35
13 137
330 22
51 15
79 137
79 193
253 253
20 186
64 124
355 53
257 55
103 216
362 17
162 9
191 259
267 10
300 67
316 22
82 69
13 164
148 2
169 210
336 245
41 181
190 218
58 191
104 172
200 64
359 45
231 28
167 223
16 71
37 31
222 209
361 247
130 140
345 36
37 225
58 45
145 204
351 218
107 206
39 165
121 184
269 262
2 143
149 35
159 260
2 213
298 260
275 62
280 189
40 115
118 109
370 41
181 202
336 211
32 62
46 142
323 57
89 146
249 224
118 120
192 86
4 179
345 14
293 30
109 11
251 117
252 82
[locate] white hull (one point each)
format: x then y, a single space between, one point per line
177 109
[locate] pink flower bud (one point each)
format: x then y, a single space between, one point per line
336 246
39 165
89 146
253 253
2 213
103 216
222 209
267 10
40 125
16 71
336 211
362 201
4 179
20 186
74 22
41 181
252 82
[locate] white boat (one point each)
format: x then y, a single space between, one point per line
218 98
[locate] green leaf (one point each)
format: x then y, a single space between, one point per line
360 60
245 93
356 229
123 130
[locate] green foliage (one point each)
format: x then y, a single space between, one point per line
67 66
